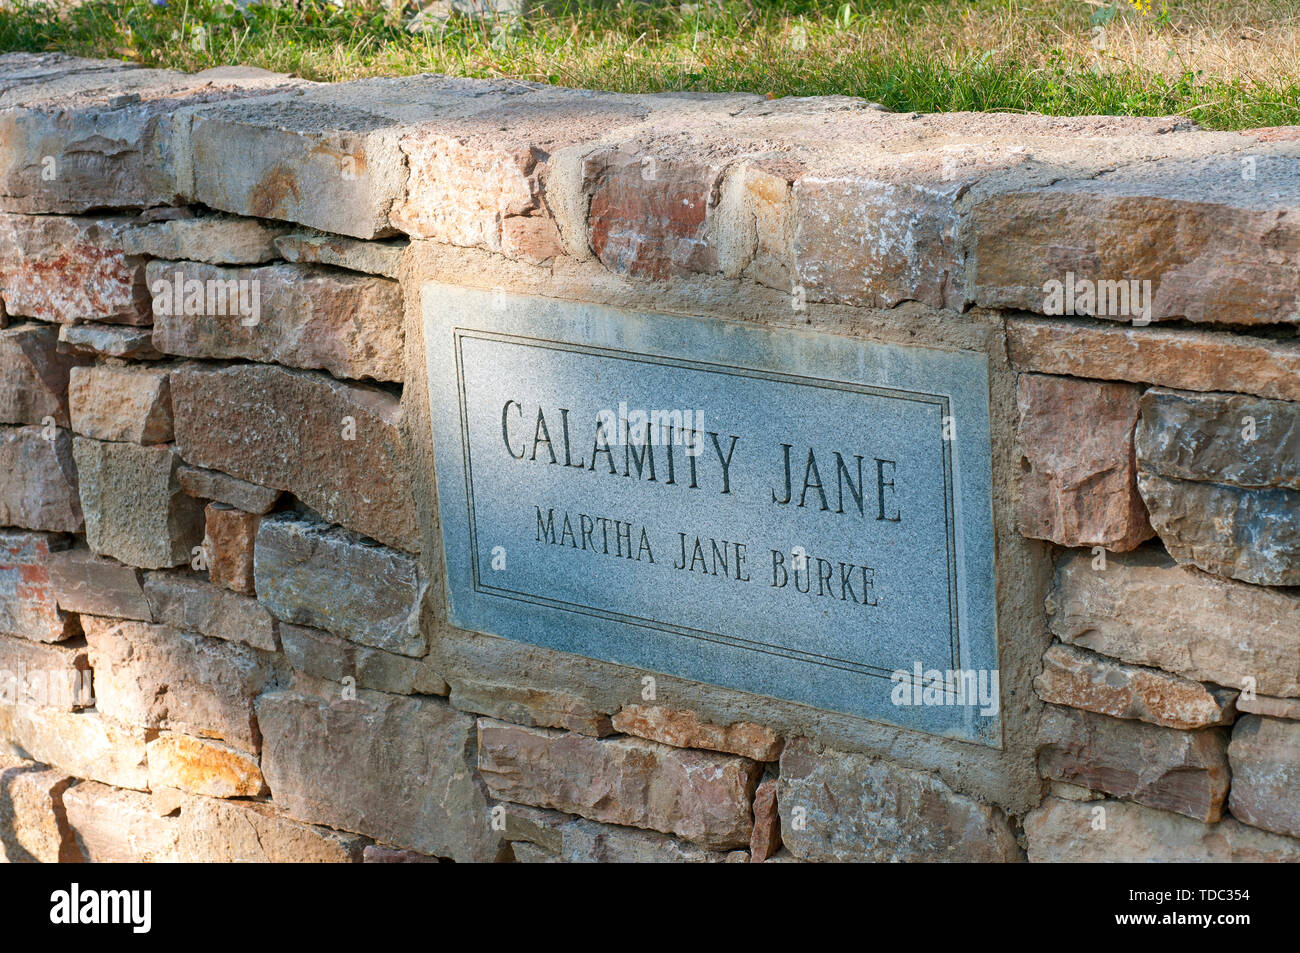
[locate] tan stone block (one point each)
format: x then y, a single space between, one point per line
702 797
38 480
68 270
855 808
295 315
200 766
1082 679
1265 757
766 839
409 782
96 585
84 744
1145 609
214 831
29 606
221 240
56 675
1181 771
1109 831
534 707
1078 487
34 375
119 827
127 403
1170 357
135 509
222 488
286 429
33 827
155 676
685 729
188 601
229 537
1232 262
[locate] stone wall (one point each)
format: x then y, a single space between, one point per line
222 608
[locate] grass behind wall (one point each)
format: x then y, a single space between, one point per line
1227 65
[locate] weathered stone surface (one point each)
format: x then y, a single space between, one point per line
379 854
296 315
33 827
110 134
17 70
250 832
219 240
1064 831
44 676
536 825
1267 705
330 158
1169 357
68 270
223 488
155 676
229 537
84 744
1221 475
543 836
1233 262
286 429
131 403
872 243
1082 679
1180 771
97 585
108 340
534 707
1145 609
33 375
685 729
119 827
28 596
700 796
586 842
766 839
1251 535
313 574
190 602
199 766
327 656
135 510
408 780
649 215
1220 438
477 189
320 248
1078 486
333 165
38 480
1265 758
855 808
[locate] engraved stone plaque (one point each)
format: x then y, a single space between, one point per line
788 513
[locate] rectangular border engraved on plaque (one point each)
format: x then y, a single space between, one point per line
933 574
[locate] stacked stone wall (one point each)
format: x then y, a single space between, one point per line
223 626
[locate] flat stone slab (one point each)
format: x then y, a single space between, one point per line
817 539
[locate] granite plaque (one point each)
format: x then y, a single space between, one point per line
793 514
